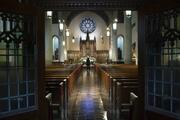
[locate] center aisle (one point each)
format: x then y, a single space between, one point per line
86 101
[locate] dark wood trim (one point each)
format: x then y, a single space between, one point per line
159 6
89 5
155 116
42 113
20 8
141 64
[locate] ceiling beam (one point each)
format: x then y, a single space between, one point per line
89 5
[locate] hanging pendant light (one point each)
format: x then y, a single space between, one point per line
67 32
73 40
128 13
61 25
49 14
115 24
108 32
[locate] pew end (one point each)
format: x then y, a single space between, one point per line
128 111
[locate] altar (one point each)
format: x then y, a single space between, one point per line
87 48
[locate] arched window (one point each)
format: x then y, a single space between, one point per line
120 46
56 45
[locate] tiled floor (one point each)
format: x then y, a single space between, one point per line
86 101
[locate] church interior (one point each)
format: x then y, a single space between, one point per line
89 60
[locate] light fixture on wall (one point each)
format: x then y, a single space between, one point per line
61 25
67 32
73 40
65 52
102 39
49 14
63 43
115 24
107 32
128 13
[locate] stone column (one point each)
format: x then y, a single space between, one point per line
128 41
48 41
65 47
62 56
113 38
114 45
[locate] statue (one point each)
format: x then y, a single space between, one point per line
56 54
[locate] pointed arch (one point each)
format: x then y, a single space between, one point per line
73 14
56 47
120 47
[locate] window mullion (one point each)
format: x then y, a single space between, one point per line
26 72
17 73
8 79
171 72
165 70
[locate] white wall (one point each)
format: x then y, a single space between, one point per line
135 32
121 32
50 31
74 29
48 43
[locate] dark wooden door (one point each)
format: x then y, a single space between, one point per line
22 95
159 65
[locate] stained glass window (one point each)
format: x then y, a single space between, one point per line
87 25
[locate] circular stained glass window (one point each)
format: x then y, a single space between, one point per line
87 25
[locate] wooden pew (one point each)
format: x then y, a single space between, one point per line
119 72
57 89
56 101
120 90
129 110
54 76
71 75
128 85
127 78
